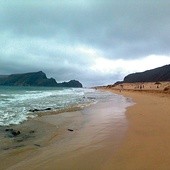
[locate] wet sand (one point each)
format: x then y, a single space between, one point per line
138 140
88 146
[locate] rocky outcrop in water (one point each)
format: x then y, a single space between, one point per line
35 79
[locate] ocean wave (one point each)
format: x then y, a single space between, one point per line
15 108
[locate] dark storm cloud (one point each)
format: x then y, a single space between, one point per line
114 26
55 35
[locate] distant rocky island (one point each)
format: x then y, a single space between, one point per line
35 79
154 75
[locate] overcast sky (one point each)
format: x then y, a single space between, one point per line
94 41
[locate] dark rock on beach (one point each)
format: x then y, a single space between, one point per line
39 110
15 133
7 130
47 109
34 110
12 132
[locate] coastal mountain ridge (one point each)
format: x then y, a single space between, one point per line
35 79
153 75
154 80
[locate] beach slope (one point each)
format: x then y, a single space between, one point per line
146 145
141 141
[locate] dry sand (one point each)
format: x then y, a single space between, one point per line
140 143
144 86
147 145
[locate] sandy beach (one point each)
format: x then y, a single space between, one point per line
66 139
146 145
84 85
138 139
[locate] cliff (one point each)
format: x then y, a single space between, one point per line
34 79
154 75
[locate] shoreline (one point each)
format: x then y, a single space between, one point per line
71 134
141 142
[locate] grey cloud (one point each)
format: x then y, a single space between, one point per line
34 31
102 24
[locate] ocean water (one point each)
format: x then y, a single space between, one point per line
15 102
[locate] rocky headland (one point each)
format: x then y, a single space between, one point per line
35 79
